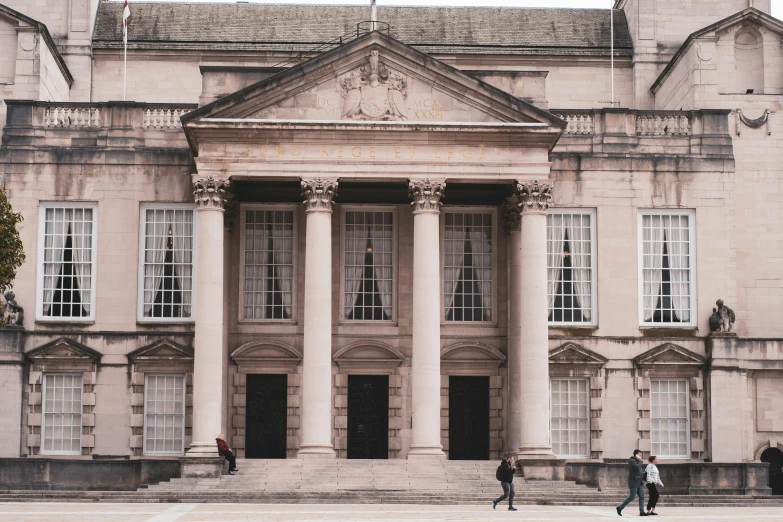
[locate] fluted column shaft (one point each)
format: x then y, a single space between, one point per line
532 365
208 361
317 358
426 203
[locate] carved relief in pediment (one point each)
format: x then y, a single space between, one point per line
373 92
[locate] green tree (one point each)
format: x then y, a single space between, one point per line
11 249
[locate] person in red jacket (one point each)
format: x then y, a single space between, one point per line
225 451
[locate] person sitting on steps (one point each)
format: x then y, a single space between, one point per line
225 451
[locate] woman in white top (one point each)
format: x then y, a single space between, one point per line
653 481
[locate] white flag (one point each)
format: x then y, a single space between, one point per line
125 16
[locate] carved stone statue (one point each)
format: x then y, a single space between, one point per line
13 314
726 316
714 321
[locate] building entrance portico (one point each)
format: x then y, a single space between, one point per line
274 134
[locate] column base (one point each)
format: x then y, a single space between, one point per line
421 451
316 451
201 467
202 450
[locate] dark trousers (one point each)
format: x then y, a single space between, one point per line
653 496
232 460
508 491
634 491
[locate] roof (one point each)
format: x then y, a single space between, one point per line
270 27
749 13
41 27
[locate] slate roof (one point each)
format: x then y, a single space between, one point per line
279 27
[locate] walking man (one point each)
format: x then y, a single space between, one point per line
634 483
505 474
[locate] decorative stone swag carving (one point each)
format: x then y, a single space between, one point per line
319 194
210 193
511 217
426 195
534 197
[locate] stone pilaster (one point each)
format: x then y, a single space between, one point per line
513 228
531 337
209 194
316 407
426 195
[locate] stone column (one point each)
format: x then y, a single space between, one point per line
514 234
532 365
210 195
317 358
425 373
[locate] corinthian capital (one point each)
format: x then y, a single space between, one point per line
426 195
533 197
319 194
210 193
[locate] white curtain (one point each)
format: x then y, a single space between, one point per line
282 246
677 249
652 250
555 235
455 257
154 257
182 243
355 249
578 228
481 245
256 269
382 266
81 242
55 232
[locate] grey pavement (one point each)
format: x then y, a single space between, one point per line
105 512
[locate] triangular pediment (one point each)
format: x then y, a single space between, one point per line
164 349
669 354
63 349
374 78
573 353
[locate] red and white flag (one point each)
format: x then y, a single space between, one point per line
125 16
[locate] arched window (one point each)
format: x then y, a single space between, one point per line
749 61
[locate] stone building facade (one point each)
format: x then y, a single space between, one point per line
430 240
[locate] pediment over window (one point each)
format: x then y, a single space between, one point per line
374 78
160 351
575 355
63 354
368 356
266 355
669 355
470 358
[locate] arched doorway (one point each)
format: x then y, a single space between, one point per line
775 458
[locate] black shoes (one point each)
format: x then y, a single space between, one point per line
643 514
652 513
512 509
619 512
494 504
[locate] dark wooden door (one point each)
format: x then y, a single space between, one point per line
468 418
368 416
266 416
775 458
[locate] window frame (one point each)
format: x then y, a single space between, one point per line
691 213
43 412
184 413
687 454
243 208
395 258
593 267
585 380
42 208
461 209
142 238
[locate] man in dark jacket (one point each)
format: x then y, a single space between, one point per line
634 483
506 475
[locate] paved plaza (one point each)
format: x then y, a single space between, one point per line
64 512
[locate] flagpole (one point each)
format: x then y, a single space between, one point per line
611 51
125 73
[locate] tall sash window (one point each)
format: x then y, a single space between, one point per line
268 264
468 262
570 272
369 270
67 274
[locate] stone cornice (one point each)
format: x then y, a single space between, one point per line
319 194
533 197
426 195
210 193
